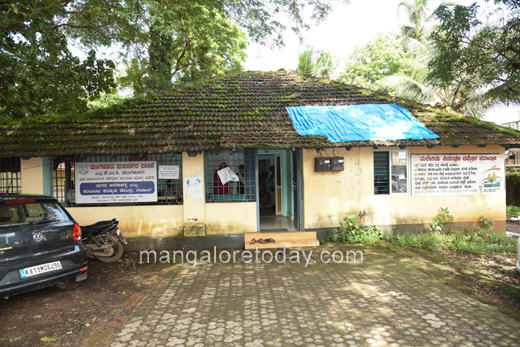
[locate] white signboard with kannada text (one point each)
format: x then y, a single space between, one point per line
116 182
441 174
169 172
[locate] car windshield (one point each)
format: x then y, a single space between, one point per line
31 213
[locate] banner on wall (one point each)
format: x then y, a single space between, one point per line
440 174
116 182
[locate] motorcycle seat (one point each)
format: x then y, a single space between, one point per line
92 228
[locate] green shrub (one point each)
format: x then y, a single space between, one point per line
512 211
442 218
428 241
513 185
351 232
404 239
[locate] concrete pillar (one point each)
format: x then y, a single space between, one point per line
194 195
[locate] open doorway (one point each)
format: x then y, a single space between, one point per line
276 197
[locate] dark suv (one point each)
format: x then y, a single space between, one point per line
40 245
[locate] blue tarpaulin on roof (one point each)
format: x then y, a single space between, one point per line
358 123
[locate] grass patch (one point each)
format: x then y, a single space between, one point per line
469 278
479 239
100 337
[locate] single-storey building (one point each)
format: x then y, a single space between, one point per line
207 163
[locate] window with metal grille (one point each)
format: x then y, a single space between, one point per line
169 191
241 163
10 175
381 181
390 170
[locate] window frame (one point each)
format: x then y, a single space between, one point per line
10 175
232 191
407 166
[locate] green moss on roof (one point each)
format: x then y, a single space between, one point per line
244 109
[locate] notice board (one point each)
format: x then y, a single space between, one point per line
444 174
116 182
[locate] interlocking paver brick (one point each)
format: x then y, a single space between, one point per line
381 302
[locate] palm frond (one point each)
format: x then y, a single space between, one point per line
306 65
409 88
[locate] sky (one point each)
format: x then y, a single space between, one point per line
345 28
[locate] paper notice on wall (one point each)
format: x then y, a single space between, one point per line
193 187
227 175
169 172
441 174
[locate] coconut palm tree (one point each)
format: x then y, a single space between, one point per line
416 11
460 96
322 66
325 65
419 14
306 64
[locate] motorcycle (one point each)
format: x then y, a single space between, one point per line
103 241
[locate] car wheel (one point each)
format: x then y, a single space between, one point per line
69 285
118 253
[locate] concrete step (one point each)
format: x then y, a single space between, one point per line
284 243
283 239
286 235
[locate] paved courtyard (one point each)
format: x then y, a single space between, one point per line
380 302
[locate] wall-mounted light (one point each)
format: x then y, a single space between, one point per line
455 146
192 154
430 146
375 146
318 150
482 145
402 146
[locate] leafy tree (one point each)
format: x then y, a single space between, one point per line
106 100
38 73
183 40
384 56
486 53
185 43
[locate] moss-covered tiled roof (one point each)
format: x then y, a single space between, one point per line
244 110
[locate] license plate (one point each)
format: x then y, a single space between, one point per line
39 269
